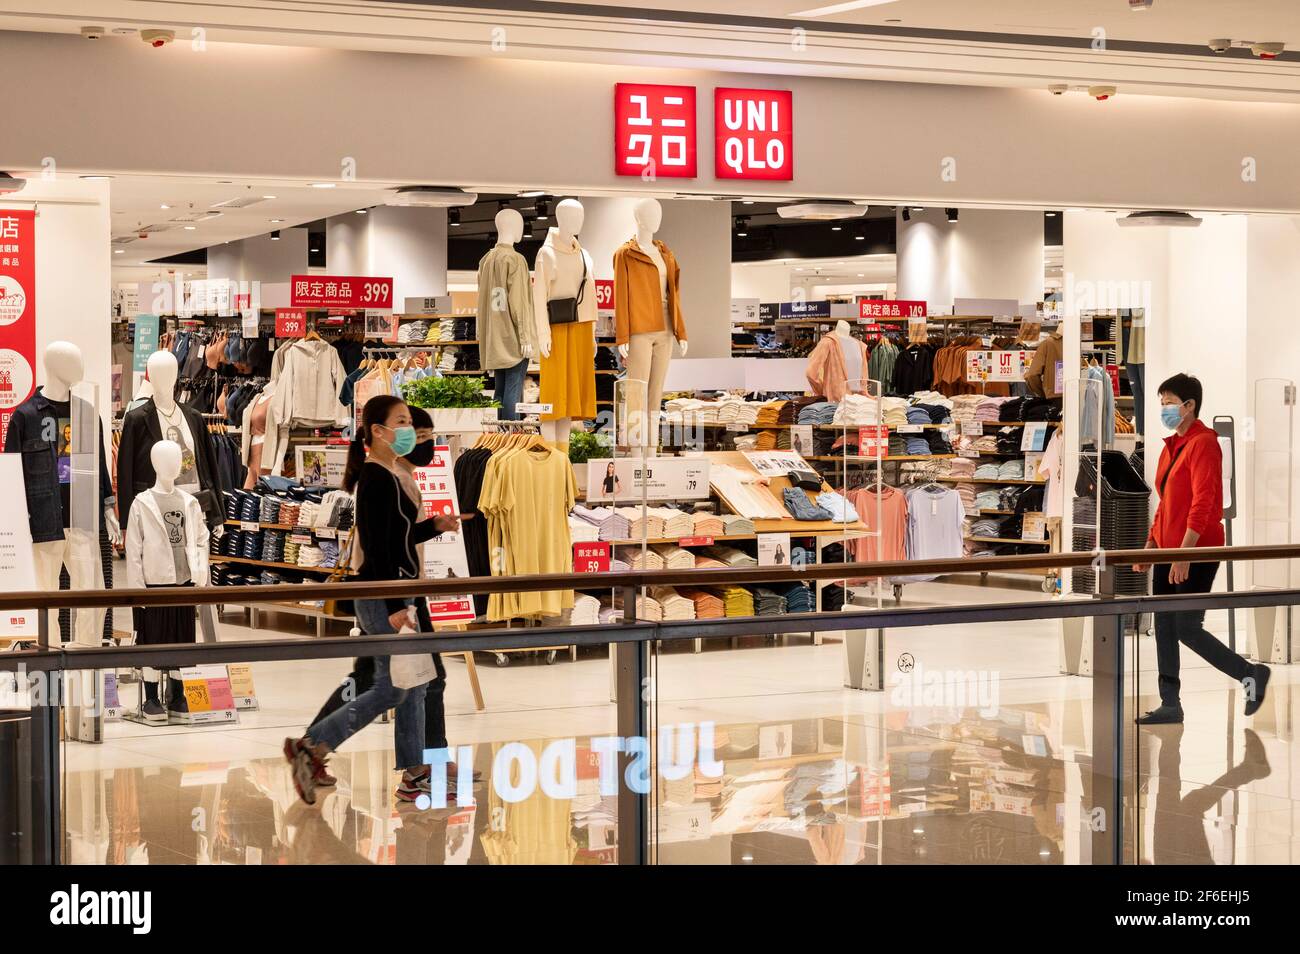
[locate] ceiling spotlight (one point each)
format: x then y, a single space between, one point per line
918 208
907 214
164 206
269 197
362 211
453 218
543 210
837 228
322 185
952 214
742 226
276 221
275 236
1051 215
531 194
119 251
190 228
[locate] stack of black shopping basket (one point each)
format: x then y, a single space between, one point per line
1124 525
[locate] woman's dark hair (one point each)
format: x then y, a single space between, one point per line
375 412
1185 388
420 418
610 468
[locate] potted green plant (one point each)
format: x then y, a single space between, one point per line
456 403
585 446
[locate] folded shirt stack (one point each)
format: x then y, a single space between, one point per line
988 500
735 525
738 601
966 492
1008 439
985 527
748 442
938 442
330 553
307 514
639 559
990 409
798 597
964 407
676 523
822 412
580 531
770 413
674 557
961 467
801 507
1012 469
674 605
840 509
987 472
987 443
916 446
705 562
767 602
310 556
704 524
648 609
290 552
412 331
610 614
642 525
763 441
932 397
893 411
708 604
856 410
918 414
729 556
586 610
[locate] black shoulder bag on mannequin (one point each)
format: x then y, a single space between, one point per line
564 311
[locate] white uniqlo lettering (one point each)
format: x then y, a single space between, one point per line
757 116
732 113
642 140
674 123
669 158
644 118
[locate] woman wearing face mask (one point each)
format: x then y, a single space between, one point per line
388 531
1189 480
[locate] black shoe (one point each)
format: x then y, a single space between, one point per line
153 713
1255 692
1164 715
1255 758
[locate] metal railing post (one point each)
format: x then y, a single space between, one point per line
46 829
1107 819
632 668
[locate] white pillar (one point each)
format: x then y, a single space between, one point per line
986 253
260 258
411 246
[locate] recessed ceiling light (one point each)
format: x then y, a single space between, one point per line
270 197
840 8
837 228
862 274
119 251
362 211
276 221
1051 215
275 236
531 194
96 178
164 206
322 185
859 238
747 202
190 228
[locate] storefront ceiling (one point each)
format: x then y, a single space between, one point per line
1022 43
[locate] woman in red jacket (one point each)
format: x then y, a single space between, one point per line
1189 480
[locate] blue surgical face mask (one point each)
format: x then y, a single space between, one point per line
1171 416
403 441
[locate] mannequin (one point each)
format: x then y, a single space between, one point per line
568 350
48 429
839 364
158 418
647 315
506 326
166 545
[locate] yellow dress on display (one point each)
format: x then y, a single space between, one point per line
569 372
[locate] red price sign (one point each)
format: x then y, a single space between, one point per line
17 311
753 133
591 557
891 309
654 131
873 438
695 542
340 291
290 323
438 507
604 294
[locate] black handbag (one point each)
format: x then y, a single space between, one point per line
564 311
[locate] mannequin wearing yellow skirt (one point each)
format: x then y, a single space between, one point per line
564 270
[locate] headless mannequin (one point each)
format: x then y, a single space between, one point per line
569 216
166 459
652 365
77 548
162 373
510 229
854 373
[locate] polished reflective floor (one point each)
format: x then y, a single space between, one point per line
783 766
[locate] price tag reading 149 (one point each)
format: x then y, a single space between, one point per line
290 323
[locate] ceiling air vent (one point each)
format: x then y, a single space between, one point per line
241 202
1177 220
822 211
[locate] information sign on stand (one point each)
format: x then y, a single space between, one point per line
801 439
665 478
16 571
1033 527
207 697
1034 437
776 463
774 549
444 555
112 699
241 685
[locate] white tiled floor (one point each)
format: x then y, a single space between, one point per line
1251 820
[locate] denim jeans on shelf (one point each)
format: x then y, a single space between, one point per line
509 389
342 724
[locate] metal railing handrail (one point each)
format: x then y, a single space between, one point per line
351 590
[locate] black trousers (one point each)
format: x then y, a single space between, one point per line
1188 628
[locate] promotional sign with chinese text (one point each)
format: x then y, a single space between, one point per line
340 291
444 555
17 311
654 131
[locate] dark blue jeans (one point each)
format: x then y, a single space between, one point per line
509 388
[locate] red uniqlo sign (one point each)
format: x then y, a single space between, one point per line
290 323
591 557
891 309
17 311
340 291
754 133
654 131
604 294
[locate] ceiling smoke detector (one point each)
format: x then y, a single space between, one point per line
1267 51
158 38
822 211
431 197
1157 219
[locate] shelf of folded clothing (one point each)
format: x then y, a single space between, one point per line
1050 424
283 526
419 317
872 457
989 480
1012 513
215 558
1040 543
677 541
